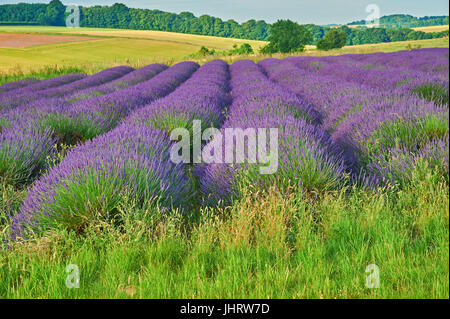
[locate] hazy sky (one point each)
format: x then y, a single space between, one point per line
302 11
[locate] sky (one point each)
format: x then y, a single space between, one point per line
303 11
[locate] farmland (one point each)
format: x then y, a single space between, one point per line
12 40
197 40
436 28
104 48
87 177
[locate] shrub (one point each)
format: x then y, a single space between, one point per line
333 39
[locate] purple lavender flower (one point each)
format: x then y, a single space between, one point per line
132 78
17 85
360 119
306 154
30 92
97 79
133 159
373 73
24 127
355 110
202 97
93 178
100 114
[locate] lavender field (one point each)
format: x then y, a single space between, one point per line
362 178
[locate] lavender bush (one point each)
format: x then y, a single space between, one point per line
17 85
132 159
307 156
355 120
94 177
51 121
363 119
29 93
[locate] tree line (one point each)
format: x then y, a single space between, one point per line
402 21
22 12
365 35
120 16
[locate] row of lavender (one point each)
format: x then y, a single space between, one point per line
131 160
433 86
57 91
28 93
433 60
30 131
383 133
304 154
17 84
334 127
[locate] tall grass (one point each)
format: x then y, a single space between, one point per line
46 72
433 92
267 245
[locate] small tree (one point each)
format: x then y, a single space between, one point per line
333 39
204 51
245 49
286 37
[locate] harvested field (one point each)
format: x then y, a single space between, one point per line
21 40
435 28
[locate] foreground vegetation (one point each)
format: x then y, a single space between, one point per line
264 246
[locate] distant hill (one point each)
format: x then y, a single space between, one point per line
402 21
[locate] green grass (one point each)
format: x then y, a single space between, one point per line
264 246
433 92
43 73
105 52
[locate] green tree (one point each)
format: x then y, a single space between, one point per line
373 35
204 51
333 39
287 36
54 14
317 31
245 49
